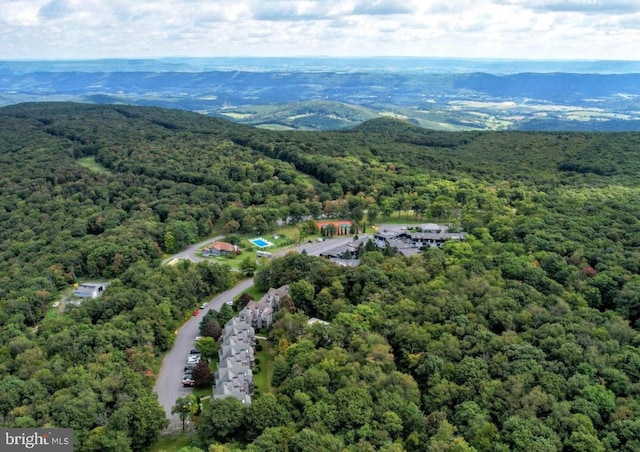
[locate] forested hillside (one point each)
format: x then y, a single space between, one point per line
523 337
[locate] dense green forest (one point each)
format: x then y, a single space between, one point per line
523 337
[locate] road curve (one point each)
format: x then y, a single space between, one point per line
168 385
190 252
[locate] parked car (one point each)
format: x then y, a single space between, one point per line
194 359
190 367
198 338
187 380
196 312
203 305
195 351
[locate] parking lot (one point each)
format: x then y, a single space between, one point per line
169 382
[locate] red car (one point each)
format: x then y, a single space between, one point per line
196 312
187 380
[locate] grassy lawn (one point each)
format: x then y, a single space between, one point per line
52 313
307 180
171 442
91 164
254 292
283 238
204 391
262 379
290 230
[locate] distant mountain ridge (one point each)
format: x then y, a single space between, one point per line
552 86
439 94
323 64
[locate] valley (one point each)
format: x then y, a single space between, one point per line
330 94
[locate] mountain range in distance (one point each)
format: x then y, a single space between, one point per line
339 93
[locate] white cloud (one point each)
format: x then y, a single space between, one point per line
20 13
382 7
581 6
581 29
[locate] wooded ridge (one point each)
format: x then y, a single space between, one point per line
522 337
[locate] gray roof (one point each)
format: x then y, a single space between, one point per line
388 234
235 361
345 262
349 247
226 389
238 323
239 376
424 227
234 377
235 349
244 334
88 289
404 248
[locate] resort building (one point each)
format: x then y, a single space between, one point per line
409 240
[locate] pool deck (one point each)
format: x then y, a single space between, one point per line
261 243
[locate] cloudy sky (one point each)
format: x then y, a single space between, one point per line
532 29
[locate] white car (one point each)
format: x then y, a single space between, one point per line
193 359
203 305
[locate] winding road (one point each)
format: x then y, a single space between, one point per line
168 385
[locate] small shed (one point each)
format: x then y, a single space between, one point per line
90 290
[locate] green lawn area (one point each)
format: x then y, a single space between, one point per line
254 292
91 164
279 239
262 379
204 391
52 313
171 442
306 179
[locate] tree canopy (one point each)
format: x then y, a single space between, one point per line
524 336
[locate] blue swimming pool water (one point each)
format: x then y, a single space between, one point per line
261 243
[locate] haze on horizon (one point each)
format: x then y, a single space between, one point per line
511 29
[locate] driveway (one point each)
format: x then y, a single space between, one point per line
190 253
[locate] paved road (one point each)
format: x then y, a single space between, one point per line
169 382
168 385
190 253
313 248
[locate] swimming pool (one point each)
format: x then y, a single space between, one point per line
261 243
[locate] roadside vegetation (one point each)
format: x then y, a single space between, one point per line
523 337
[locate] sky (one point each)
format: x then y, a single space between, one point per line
521 29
